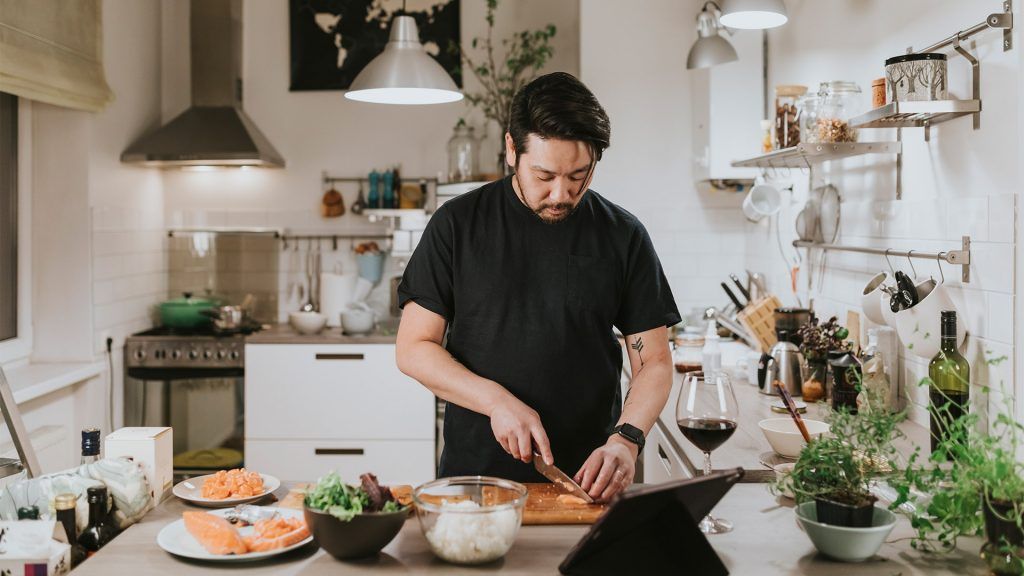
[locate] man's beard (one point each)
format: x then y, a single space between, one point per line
566 208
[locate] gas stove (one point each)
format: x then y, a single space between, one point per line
171 352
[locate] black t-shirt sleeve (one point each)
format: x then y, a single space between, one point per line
428 278
647 300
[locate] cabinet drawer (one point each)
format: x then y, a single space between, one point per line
661 462
405 462
299 391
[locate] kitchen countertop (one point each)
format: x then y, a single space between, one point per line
765 541
285 334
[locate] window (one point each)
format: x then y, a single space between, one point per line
8 217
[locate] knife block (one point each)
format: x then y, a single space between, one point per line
759 320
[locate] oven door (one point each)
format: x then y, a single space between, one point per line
204 411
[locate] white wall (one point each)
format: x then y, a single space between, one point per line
963 182
317 131
635 62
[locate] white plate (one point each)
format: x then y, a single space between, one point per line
174 538
191 491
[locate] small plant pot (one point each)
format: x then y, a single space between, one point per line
841 514
1004 550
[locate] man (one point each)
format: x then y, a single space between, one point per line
529 274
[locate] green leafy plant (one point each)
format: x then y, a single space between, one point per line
819 339
947 500
858 451
526 52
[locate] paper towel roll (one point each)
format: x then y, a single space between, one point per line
335 293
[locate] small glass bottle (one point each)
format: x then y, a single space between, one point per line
64 504
100 530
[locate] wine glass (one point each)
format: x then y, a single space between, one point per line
706 413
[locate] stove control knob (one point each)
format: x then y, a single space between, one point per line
222 353
208 354
193 354
140 354
175 354
234 354
158 353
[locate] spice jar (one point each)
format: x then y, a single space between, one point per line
878 92
787 115
838 102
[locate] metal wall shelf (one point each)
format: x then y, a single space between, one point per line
916 114
805 155
961 257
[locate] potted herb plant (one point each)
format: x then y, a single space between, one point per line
816 341
980 491
500 77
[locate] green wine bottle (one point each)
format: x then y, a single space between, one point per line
950 389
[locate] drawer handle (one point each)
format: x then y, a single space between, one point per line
339 357
664 459
338 451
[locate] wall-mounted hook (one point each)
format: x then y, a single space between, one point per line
910 259
889 262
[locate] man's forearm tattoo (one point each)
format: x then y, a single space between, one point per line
638 345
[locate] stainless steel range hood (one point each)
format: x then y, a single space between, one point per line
214 131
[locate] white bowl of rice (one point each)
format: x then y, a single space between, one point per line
470 519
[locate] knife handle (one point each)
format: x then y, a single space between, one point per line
732 296
743 289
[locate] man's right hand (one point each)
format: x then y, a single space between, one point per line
518 429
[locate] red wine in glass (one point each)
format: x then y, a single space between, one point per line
707 433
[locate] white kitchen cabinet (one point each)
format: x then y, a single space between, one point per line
311 408
393 462
661 461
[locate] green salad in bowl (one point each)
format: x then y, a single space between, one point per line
352 521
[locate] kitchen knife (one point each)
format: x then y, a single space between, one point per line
553 473
739 285
732 296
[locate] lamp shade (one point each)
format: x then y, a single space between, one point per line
753 14
404 73
710 51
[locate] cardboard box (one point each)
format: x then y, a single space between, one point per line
152 447
30 549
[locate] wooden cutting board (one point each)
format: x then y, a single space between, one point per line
542 504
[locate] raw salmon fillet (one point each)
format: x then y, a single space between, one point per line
216 534
276 533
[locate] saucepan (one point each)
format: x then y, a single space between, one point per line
186 312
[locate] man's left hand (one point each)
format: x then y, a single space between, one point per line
609 469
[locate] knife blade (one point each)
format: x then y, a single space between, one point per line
560 478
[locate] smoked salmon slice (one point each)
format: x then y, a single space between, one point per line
216 534
276 533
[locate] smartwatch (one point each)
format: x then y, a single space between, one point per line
631 433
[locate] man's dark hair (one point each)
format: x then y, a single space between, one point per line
557 105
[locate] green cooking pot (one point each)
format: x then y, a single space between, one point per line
186 312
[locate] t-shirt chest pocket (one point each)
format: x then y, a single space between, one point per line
593 284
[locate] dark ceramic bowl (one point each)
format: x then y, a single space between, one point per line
364 535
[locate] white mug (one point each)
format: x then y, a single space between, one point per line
873 298
920 327
762 200
747 366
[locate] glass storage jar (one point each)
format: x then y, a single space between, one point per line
463 154
687 354
787 115
838 102
808 118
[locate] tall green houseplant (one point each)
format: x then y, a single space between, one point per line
500 77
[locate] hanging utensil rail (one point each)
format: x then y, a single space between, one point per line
961 257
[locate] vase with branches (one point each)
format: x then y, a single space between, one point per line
501 76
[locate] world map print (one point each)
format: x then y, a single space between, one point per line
332 40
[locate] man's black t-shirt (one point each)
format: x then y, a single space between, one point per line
531 306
